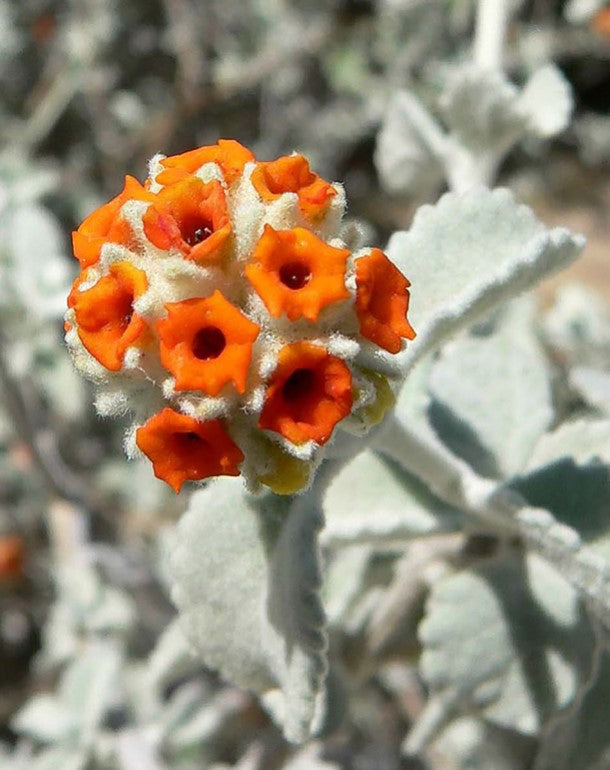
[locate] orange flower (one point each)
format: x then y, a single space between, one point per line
382 300
106 225
291 173
206 343
297 273
184 449
601 22
104 313
192 217
11 557
309 392
230 155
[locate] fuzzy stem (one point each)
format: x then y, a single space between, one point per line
425 125
50 108
448 477
500 511
492 18
438 711
26 413
68 529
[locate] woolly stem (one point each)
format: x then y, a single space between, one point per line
490 31
501 511
438 711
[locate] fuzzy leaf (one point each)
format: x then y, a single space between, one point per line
473 744
44 719
41 275
194 720
584 441
578 496
584 742
403 157
468 253
492 399
546 101
509 639
60 758
247 574
569 475
89 685
593 385
344 581
481 108
371 498
172 657
578 325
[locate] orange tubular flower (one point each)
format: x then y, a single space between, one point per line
105 224
230 155
206 343
309 393
291 173
382 300
184 449
601 22
190 216
106 323
295 272
272 331
11 557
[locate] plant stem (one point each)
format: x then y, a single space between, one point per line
498 510
50 108
438 711
446 475
26 413
426 127
492 18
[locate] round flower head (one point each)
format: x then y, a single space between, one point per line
219 305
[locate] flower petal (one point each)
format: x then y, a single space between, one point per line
230 155
291 173
295 272
309 392
206 343
382 300
105 320
184 449
106 225
190 216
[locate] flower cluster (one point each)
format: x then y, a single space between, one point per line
218 304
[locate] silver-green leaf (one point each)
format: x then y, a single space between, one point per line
371 498
246 577
510 640
468 253
492 399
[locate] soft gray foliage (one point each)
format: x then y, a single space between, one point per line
593 385
403 156
72 717
583 440
249 601
582 742
386 504
519 648
578 325
481 109
477 374
469 743
468 253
